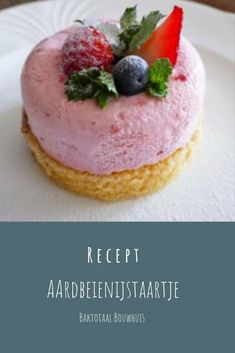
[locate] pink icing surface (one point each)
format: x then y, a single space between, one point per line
129 133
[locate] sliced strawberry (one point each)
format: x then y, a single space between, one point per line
164 42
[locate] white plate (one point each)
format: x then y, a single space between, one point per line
205 190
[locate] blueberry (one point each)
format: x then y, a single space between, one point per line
130 75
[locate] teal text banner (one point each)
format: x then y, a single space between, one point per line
117 287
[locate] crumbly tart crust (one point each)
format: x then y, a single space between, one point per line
116 186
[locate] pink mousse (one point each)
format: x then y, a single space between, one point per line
129 133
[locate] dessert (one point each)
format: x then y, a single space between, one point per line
112 109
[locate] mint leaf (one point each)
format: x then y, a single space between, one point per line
106 79
135 34
79 85
106 88
91 83
129 17
126 37
159 73
102 99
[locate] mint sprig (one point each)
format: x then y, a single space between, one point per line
129 17
159 73
91 83
135 34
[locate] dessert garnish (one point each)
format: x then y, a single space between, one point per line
133 33
91 83
164 41
159 73
86 48
139 59
130 75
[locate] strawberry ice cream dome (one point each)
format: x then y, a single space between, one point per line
130 132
